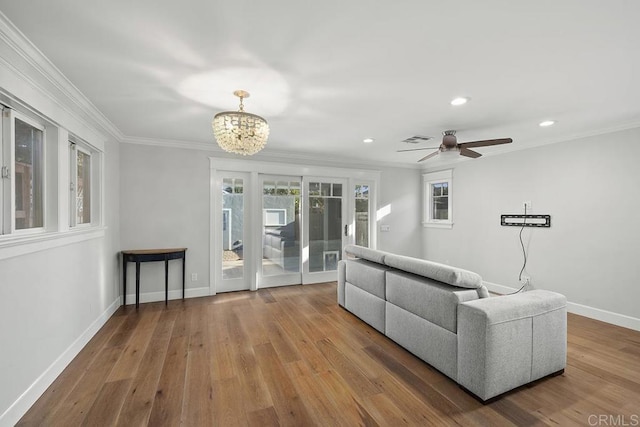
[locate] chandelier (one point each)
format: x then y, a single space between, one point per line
239 132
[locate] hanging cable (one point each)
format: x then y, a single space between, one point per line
524 253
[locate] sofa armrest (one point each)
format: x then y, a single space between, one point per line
508 341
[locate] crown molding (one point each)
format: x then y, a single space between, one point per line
75 103
267 155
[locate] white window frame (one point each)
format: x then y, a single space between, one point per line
7 159
428 180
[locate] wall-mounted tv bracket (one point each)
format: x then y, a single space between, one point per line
517 220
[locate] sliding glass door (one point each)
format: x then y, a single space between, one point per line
273 227
281 230
326 228
233 186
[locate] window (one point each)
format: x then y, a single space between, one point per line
38 167
81 170
23 173
438 194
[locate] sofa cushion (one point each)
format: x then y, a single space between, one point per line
427 298
443 273
366 275
366 253
431 343
366 306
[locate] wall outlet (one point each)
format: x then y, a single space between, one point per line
526 205
385 228
525 280
194 277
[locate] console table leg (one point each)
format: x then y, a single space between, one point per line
166 281
137 284
184 265
124 281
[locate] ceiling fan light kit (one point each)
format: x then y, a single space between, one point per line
450 144
240 132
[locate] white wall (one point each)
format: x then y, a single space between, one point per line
589 186
400 196
165 203
53 299
52 302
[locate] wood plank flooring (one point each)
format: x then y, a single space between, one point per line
291 356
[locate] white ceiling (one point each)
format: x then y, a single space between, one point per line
326 74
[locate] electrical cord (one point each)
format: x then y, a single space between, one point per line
524 253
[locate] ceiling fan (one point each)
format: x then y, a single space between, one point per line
450 143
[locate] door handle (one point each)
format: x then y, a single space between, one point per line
346 230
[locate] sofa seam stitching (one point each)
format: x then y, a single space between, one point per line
528 316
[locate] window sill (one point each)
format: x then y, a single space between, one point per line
12 246
437 224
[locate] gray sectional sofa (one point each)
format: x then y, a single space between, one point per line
445 316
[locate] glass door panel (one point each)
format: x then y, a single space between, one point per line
232 232
361 195
281 230
232 228
326 228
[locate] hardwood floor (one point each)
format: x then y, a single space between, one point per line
291 356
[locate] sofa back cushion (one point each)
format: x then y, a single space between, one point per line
366 275
432 300
442 273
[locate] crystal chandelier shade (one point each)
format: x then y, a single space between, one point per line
240 132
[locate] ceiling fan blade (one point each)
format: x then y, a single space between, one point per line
469 153
417 149
485 143
429 156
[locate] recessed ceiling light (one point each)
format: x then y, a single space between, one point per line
459 101
547 123
367 140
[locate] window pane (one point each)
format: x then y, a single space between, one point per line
238 187
227 186
282 188
29 178
294 188
232 230
314 188
337 190
441 208
325 229
269 188
83 188
362 222
281 230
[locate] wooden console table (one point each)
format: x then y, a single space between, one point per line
151 255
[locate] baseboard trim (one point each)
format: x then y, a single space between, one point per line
604 316
582 310
173 294
20 407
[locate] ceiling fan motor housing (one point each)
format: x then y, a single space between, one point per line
449 139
